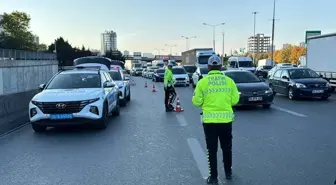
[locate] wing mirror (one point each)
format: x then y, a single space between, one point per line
42 86
108 84
321 76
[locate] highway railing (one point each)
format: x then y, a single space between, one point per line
10 54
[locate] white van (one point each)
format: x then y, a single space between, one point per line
242 63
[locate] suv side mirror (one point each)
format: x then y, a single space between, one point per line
42 86
321 76
108 84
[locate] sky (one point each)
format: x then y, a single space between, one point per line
148 25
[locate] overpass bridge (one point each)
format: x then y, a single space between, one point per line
158 57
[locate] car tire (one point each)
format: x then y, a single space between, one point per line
39 128
187 85
266 106
291 94
128 98
103 121
116 111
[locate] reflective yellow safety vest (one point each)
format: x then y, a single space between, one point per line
168 78
216 94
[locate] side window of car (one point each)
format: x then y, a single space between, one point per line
277 74
285 74
233 64
103 78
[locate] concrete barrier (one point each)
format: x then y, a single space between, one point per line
19 81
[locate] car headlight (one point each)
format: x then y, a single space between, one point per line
239 93
299 85
268 91
85 102
328 84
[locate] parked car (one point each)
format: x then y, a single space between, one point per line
123 84
299 82
253 91
190 70
282 65
180 76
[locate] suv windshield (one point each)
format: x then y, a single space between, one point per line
178 71
245 64
243 77
302 73
203 59
204 71
190 69
75 81
115 75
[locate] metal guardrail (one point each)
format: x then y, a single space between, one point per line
10 54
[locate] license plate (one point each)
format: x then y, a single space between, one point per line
61 116
318 91
180 81
255 98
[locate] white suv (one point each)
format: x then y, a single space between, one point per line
123 84
75 97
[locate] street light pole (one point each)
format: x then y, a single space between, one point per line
223 47
273 25
170 46
187 40
159 50
214 32
254 35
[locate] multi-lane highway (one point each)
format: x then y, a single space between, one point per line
292 143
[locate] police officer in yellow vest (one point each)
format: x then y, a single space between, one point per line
169 88
216 94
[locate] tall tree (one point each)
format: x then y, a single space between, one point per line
16 34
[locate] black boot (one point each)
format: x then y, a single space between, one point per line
228 174
212 180
168 109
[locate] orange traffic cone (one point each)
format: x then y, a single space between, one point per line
178 107
154 90
146 85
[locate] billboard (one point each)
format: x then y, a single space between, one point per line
312 33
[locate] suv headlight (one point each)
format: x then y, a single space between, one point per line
86 102
327 84
299 85
269 91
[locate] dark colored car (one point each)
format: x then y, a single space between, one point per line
252 90
299 82
263 71
158 75
190 70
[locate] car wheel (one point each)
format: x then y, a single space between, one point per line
271 86
116 111
39 128
291 94
266 106
187 85
103 122
129 96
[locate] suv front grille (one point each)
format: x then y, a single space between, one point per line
254 93
70 107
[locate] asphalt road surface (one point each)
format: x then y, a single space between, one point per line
293 143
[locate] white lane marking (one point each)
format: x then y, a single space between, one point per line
199 156
289 112
182 120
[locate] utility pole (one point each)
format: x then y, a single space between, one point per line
214 32
254 36
223 47
273 24
188 40
170 46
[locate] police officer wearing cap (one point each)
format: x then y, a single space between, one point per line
216 94
169 87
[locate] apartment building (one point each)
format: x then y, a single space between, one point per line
108 41
259 44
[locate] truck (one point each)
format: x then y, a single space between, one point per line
198 56
158 63
265 62
320 56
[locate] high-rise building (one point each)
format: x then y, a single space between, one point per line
259 44
108 41
1 29
36 39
